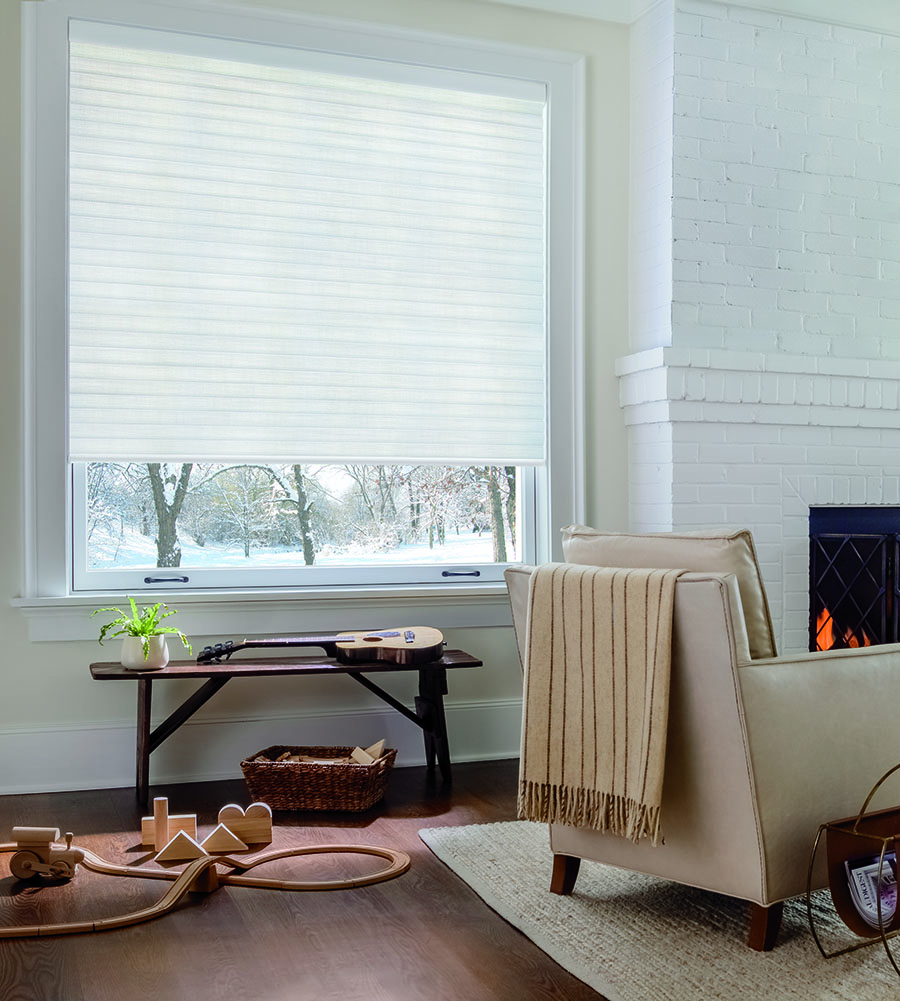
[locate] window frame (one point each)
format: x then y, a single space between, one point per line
557 496
131 580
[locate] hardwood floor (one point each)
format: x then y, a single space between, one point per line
424 936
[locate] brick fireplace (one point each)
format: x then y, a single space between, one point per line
765 257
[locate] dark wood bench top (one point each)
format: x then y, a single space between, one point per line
257 667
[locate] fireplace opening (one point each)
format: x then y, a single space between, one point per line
853 576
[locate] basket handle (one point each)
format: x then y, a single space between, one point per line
872 792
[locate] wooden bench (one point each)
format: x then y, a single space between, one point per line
428 713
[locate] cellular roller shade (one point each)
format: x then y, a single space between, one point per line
273 261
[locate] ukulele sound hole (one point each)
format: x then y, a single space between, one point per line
373 639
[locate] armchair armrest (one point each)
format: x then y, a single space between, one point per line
821 729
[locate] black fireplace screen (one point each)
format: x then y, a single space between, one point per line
853 586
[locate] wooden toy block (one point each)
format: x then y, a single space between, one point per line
361 757
160 822
222 840
180 848
34 835
253 825
186 822
376 750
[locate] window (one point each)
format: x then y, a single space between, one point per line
304 302
195 524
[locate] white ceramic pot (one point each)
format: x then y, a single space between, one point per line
133 653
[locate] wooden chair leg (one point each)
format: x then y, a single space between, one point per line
765 923
565 872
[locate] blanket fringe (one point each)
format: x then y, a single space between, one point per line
578 807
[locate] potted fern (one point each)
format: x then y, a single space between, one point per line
144 637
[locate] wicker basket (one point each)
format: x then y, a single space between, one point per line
308 785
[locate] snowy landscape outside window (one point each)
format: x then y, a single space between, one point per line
195 515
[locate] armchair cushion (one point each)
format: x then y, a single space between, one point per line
709 551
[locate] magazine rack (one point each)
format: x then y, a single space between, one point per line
867 835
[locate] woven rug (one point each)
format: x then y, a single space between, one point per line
639 938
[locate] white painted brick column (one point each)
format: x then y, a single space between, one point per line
650 238
780 386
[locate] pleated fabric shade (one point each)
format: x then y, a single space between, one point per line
271 261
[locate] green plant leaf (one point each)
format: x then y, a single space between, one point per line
142 622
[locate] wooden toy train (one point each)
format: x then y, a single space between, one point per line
38 854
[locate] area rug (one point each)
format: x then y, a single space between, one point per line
639 938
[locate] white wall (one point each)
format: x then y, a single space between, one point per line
59 729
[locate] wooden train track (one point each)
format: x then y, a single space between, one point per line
202 875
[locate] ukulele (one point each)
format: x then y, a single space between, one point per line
398 646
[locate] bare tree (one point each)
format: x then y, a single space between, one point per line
496 506
510 473
169 490
304 512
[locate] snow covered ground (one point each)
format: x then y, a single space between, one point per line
135 550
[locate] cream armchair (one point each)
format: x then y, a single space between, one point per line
760 750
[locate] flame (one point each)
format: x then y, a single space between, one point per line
825 636
852 640
824 630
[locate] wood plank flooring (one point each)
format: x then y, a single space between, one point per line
424 936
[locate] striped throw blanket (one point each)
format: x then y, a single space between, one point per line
597 659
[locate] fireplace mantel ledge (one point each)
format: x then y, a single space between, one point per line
754 361
686 384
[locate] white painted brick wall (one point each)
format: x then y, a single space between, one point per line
650 252
792 129
650 474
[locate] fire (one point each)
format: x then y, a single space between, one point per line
852 639
824 630
825 635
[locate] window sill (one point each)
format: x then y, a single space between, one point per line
274 612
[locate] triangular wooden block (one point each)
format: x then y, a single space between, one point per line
222 840
376 750
181 847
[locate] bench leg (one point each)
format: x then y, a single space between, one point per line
765 923
142 744
430 709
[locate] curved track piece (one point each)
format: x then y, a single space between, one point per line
182 882
181 885
400 862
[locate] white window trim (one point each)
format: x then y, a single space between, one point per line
52 611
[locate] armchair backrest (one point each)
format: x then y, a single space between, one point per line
704 551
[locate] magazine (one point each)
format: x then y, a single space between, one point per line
862 877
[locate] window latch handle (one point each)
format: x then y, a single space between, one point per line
460 573
166 580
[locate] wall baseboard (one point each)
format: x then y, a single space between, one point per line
101 756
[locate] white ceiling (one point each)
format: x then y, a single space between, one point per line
883 15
